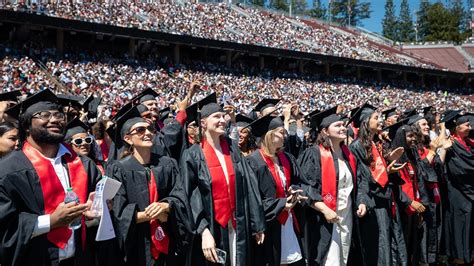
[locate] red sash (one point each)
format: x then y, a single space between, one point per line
464 142
328 174
410 186
104 149
378 167
433 186
280 190
159 239
223 199
53 191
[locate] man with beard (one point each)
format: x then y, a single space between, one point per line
35 220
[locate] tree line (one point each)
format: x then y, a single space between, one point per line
443 20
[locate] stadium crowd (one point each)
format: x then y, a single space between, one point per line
117 80
222 22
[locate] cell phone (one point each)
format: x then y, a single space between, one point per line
397 165
221 256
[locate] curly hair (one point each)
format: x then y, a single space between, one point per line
422 141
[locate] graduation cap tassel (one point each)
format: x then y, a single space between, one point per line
199 125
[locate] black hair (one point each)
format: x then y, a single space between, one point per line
366 139
6 126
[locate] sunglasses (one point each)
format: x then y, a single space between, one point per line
81 141
142 130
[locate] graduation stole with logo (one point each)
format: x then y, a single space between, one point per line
410 186
328 174
433 186
280 190
223 194
53 191
159 239
378 167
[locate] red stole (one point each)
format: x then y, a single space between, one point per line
104 149
433 186
328 175
159 239
410 186
378 167
53 191
223 195
465 142
280 190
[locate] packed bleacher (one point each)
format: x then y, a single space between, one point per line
116 80
228 23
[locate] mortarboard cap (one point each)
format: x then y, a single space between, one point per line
450 118
413 119
41 101
265 103
392 129
324 119
145 95
242 120
70 100
361 114
264 124
74 127
125 123
10 96
389 112
192 110
164 114
409 112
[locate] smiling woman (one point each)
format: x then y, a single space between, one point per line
150 198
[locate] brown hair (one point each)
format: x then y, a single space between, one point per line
324 140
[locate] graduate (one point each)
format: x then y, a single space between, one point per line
8 138
149 208
380 230
430 155
278 177
77 135
411 197
390 116
334 198
35 220
460 173
222 190
246 139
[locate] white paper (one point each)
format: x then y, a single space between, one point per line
108 188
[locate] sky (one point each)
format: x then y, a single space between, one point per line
374 23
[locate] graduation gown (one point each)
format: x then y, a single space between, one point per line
381 234
270 253
318 232
21 202
133 197
249 214
459 217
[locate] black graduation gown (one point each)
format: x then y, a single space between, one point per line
21 202
270 253
318 232
431 226
459 217
133 196
381 234
249 214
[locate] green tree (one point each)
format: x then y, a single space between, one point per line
350 12
422 20
299 6
258 2
406 31
279 4
389 22
442 24
318 11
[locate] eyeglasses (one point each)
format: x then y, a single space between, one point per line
81 141
142 130
46 115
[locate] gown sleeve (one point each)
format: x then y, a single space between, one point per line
17 226
310 165
124 211
189 171
272 206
